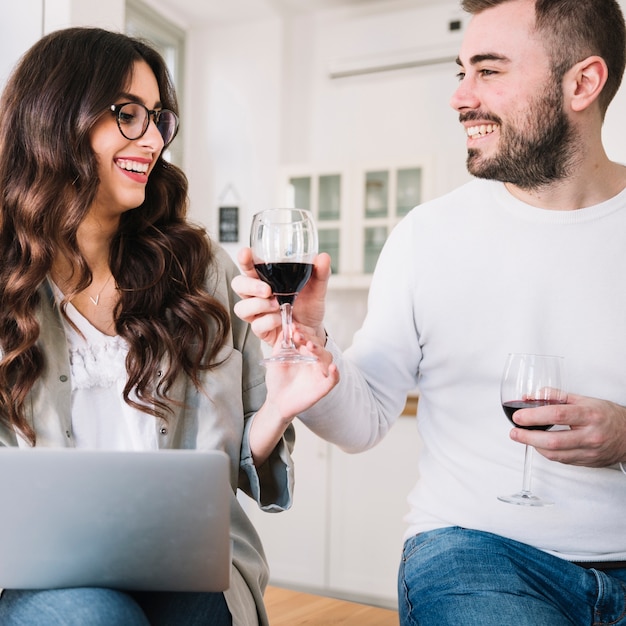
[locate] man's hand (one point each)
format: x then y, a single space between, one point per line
594 433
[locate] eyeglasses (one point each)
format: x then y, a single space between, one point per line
133 119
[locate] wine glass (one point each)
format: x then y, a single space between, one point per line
528 381
284 245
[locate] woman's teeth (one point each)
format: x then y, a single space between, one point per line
133 166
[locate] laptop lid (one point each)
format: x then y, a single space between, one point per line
126 520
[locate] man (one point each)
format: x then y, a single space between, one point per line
529 257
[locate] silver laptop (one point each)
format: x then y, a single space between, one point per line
126 520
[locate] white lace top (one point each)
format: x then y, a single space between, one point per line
100 417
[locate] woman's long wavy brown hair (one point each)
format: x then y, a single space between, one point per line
49 179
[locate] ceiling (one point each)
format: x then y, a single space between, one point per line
212 11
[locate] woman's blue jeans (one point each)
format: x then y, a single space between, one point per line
454 576
107 607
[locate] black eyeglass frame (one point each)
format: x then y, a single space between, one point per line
155 114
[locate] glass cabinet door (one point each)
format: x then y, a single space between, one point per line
355 208
300 192
328 216
409 190
375 237
321 194
388 196
376 194
329 199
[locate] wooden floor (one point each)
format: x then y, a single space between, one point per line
295 608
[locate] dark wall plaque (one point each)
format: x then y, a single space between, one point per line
229 224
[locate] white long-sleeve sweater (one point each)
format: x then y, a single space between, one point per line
462 281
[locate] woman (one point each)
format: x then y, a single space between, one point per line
116 323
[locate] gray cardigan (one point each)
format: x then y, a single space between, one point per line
215 418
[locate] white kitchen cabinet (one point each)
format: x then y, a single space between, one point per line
343 535
295 540
356 208
368 502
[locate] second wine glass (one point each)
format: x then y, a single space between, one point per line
529 381
284 246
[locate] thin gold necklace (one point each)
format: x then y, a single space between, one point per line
96 300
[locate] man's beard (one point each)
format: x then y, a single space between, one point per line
534 156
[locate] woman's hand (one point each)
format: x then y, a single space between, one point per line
291 389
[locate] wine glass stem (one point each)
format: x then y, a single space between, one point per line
287 323
528 468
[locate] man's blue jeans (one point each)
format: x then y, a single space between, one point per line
459 577
107 607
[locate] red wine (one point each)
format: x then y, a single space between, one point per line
515 405
285 279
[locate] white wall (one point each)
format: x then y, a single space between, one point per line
382 117
259 97
64 13
232 115
24 22
20 27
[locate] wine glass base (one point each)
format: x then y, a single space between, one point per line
288 357
525 499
